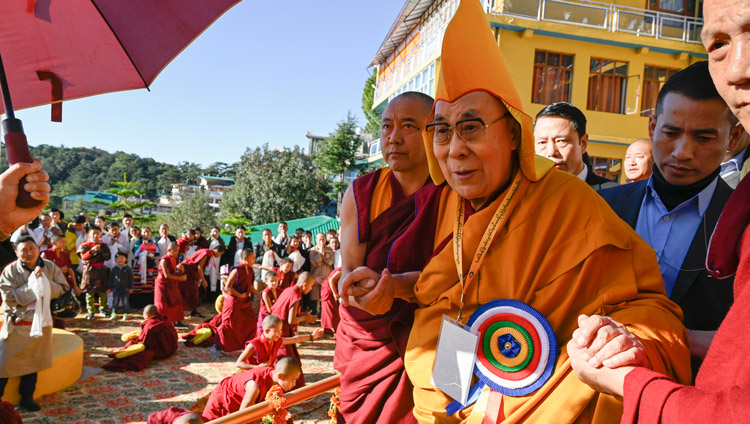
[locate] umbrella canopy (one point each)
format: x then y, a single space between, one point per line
61 50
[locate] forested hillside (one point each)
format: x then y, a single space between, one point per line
75 170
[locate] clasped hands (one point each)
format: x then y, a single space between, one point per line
602 351
367 290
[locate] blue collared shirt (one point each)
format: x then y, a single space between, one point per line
671 233
732 165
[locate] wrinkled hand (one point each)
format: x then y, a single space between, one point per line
606 342
374 297
12 216
605 380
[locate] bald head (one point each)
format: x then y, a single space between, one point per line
401 136
191 418
150 311
423 100
288 366
638 160
271 321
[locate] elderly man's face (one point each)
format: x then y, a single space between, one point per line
556 139
401 134
690 138
726 37
638 160
476 170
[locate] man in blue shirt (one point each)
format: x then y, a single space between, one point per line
676 209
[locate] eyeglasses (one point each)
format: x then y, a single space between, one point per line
468 130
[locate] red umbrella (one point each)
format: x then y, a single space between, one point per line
62 50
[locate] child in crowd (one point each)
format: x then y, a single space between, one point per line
157 339
94 275
60 257
249 387
262 351
267 298
135 237
284 272
121 285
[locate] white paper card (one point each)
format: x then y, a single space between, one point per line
454 362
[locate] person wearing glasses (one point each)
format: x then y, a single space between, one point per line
560 135
522 236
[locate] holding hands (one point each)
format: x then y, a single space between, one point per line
602 351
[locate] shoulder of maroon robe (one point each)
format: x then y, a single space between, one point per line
724 254
262 376
196 257
287 297
363 188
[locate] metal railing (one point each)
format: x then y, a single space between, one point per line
605 16
294 397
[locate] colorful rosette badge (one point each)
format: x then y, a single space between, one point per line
516 352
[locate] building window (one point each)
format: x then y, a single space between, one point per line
553 73
653 79
607 85
607 167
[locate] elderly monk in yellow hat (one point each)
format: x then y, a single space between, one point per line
522 250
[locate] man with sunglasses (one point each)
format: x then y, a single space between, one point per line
560 135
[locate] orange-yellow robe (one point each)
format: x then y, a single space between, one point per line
564 252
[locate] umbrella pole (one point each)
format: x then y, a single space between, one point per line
16 144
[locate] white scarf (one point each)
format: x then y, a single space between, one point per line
42 313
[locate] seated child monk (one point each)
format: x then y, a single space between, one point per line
157 339
268 297
175 415
329 307
236 323
249 387
262 350
288 309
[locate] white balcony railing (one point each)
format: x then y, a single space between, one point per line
605 16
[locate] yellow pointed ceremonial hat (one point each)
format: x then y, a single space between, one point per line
471 61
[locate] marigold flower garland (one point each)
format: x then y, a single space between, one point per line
276 399
334 408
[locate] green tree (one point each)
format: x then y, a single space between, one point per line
126 190
372 116
193 211
336 154
232 221
275 185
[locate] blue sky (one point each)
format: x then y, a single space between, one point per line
265 72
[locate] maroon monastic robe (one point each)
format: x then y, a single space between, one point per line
227 396
265 351
329 307
189 287
370 349
288 299
167 296
263 312
236 322
168 416
160 339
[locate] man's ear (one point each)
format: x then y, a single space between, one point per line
734 136
584 143
651 126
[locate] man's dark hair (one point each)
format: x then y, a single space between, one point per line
241 227
79 220
693 82
196 229
62 215
24 238
127 215
113 224
121 254
567 111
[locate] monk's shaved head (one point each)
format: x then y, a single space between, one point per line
271 321
424 100
287 366
150 311
191 418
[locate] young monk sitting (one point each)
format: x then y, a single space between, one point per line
157 339
236 323
249 387
284 272
263 349
175 415
288 309
268 297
